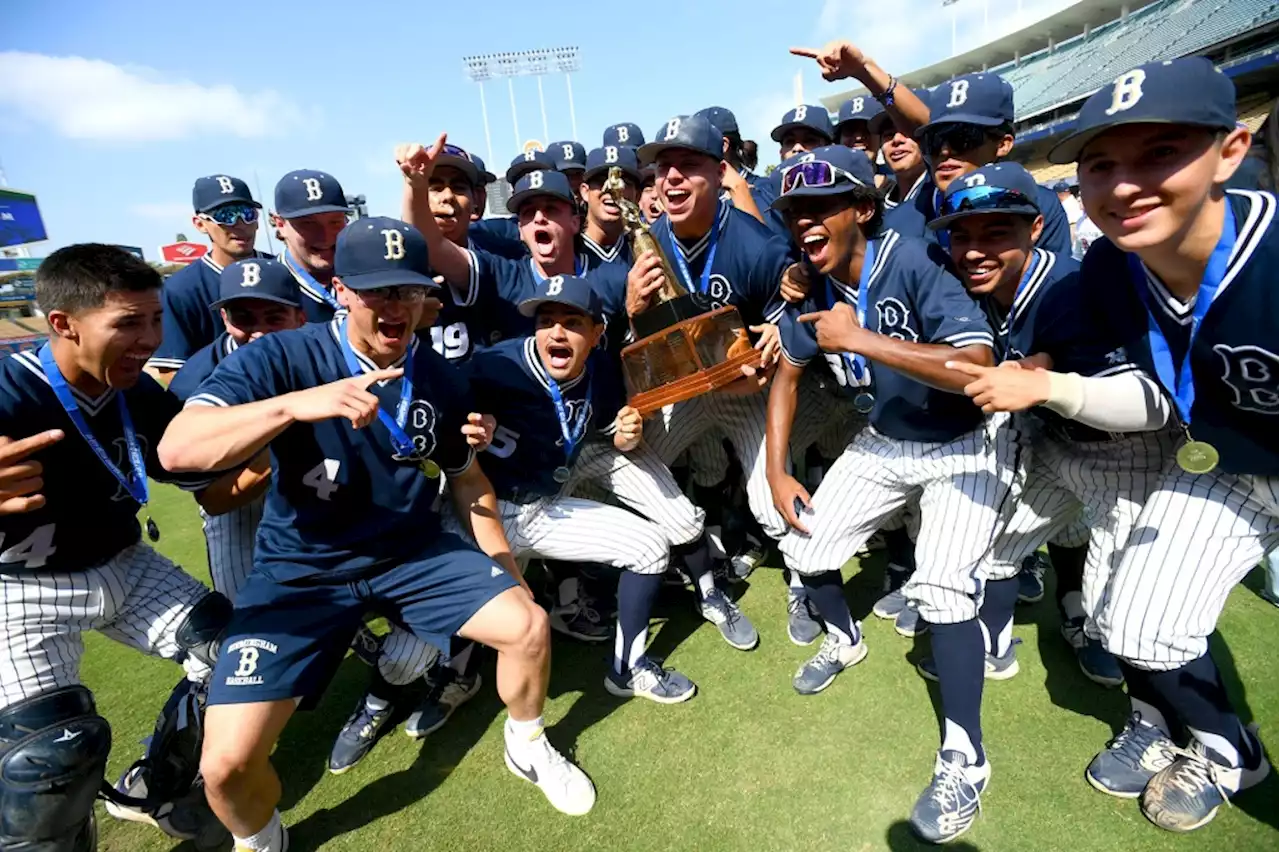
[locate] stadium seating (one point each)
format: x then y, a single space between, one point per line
1166 29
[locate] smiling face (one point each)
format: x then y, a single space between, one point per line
548 225
115 339
452 203
248 319
990 252
650 203
565 338
801 140
1146 184
311 240
826 227
903 155
689 188
382 321
601 208
856 134
958 149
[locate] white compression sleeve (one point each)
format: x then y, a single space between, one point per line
1128 402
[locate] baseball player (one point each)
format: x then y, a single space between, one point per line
650 204
1031 298
602 237
72 552
802 129
902 154
1187 275
853 125
310 211
367 421
923 442
226 212
623 135
571 161
256 297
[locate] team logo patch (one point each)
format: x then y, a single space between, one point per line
894 320
249 651
421 427
720 290
1250 372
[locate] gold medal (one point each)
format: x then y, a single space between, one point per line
1197 457
430 469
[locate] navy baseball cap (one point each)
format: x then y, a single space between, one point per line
723 118
1061 186
1181 91
842 170
258 278
982 99
813 116
994 188
486 177
861 108
305 191
624 134
569 156
602 159
458 158
568 290
691 132
529 161
540 182
217 190
381 252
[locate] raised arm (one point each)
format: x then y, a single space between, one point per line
417 164
842 59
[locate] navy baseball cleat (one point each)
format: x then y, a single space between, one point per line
803 624
908 622
890 605
950 804
996 668
736 629
1187 793
446 692
832 658
649 680
1031 578
1131 759
361 732
1094 660
580 622
746 560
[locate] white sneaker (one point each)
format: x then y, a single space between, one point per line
566 787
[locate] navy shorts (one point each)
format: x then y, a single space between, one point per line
286 641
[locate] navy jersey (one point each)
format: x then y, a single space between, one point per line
894 195
200 366
510 382
500 236
189 322
342 504
913 296
747 268
88 516
911 217
1234 358
460 327
319 304
597 255
502 284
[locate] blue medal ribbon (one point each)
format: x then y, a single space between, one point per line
308 282
135 482
704 283
1178 380
575 432
857 364
400 439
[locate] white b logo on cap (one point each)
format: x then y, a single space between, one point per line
568 151
622 133
555 285
225 183
1126 91
857 105
801 112
959 93
313 189
610 154
535 180
673 128
975 180
395 244
251 275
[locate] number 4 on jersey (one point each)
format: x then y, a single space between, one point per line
323 478
33 551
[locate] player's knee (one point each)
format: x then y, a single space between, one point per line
227 766
534 640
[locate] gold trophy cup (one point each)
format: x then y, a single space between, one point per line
684 346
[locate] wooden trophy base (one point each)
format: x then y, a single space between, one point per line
702 353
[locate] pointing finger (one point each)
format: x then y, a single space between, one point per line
967 368
11 451
367 379
807 52
814 317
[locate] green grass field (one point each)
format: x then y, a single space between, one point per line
746 765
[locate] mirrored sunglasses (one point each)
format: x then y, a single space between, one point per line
228 214
815 174
980 198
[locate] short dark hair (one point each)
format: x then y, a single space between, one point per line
78 278
870 195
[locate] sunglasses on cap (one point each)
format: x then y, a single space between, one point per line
227 214
957 137
410 294
815 174
976 199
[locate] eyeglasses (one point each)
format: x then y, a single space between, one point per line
959 138
227 214
408 293
979 198
815 174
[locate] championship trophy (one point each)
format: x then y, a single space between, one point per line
684 346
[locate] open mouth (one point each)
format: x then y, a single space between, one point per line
677 200
815 244
393 331
1133 219
898 155
559 356
948 170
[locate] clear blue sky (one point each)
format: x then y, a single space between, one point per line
109 110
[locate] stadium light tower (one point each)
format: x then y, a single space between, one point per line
524 63
478 70
568 62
